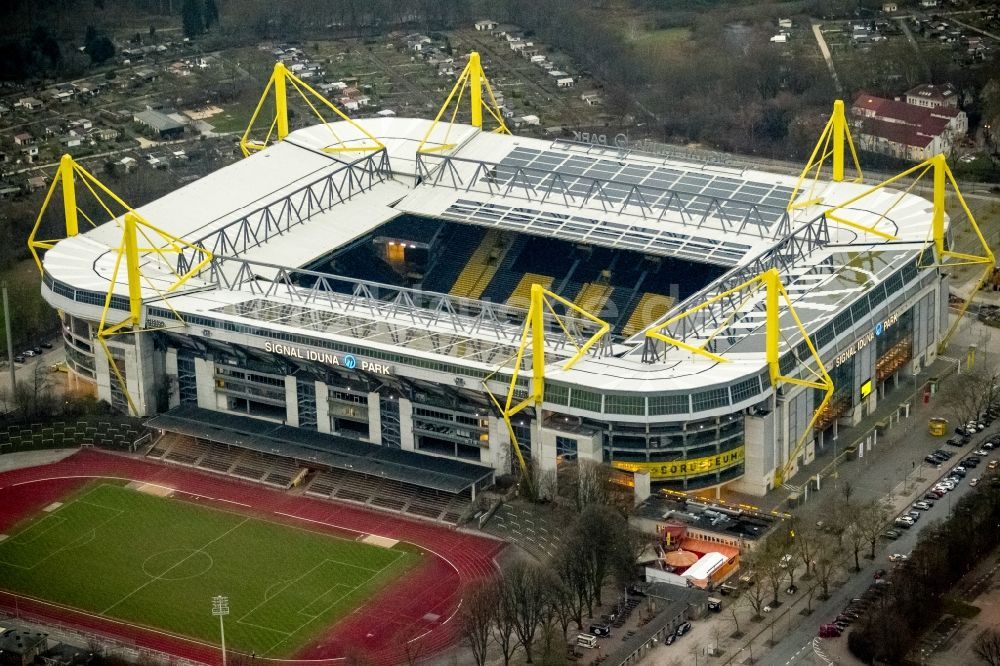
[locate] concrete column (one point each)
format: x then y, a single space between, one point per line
322 407
204 373
374 418
170 366
642 487
499 455
406 438
291 401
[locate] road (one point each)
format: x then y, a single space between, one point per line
905 27
790 649
825 50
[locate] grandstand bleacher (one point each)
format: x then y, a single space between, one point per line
626 288
285 467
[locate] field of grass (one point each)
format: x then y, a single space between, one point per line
117 552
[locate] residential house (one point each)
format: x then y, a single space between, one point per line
565 82
53 130
928 4
104 133
29 103
36 183
780 38
931 96
128 164
23 139
417 42
161 124
785 23
485 25
906 131
71 140
592 98
9 192
890 7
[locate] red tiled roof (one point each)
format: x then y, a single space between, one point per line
901 111
906 135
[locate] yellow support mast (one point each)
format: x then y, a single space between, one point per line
774 294
474 78
533 336
835 137
281 78
68 176
941 177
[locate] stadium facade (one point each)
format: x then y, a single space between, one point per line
376 298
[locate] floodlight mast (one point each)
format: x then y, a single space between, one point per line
220 608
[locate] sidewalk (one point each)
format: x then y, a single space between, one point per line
897 453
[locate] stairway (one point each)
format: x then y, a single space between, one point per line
482 266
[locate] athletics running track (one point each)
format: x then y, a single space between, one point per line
413 616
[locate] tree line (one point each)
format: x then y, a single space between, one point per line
531 607
945 552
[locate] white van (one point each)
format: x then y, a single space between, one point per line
588 641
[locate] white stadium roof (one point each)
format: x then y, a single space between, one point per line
710 214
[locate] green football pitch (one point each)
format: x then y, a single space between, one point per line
153 561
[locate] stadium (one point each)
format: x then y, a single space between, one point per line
398 310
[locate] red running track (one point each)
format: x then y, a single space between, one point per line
412 616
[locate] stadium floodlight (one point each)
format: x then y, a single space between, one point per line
220 608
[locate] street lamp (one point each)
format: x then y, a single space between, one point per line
220 608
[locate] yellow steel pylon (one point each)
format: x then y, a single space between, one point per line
133 226
533 336
474 78
943 256
774 293
281 77
832 141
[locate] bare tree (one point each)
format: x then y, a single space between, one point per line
847 490
479 610
967 398
804 544
987 647
503 625
871 521
525 583
855 537
827 563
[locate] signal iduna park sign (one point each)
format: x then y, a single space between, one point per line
348 361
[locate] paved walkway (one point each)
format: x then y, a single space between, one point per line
825 50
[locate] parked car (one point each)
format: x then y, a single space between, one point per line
970 462
922 505
973 482
600 629
829 631
993 464
892 534
29 353
914 515
955 441
982 453
683 628
898 557
947 455
19 359
903 523
933 460
932 495
958 471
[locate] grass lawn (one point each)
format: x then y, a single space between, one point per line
155 561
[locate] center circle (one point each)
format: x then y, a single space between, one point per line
177 564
